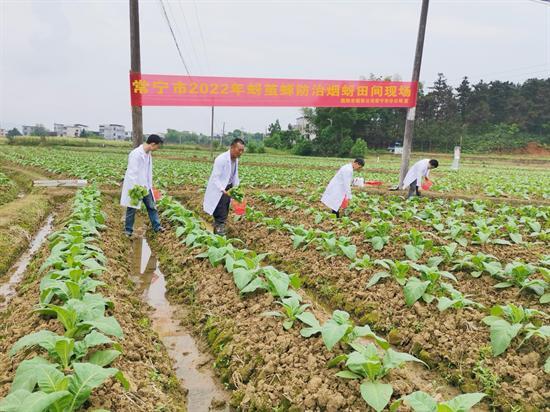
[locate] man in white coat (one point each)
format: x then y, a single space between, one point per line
339 188
224 176
140 172
419 170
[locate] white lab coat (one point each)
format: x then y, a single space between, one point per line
338 188
219 179
417 172
139 172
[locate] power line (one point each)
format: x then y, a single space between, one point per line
174 37
188 31
201 33
172 16
546 2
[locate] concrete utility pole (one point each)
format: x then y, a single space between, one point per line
212 135
411 112
135 66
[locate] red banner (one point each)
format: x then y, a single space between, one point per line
167 90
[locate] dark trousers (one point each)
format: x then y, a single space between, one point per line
222 209
337 213
149 203
413 190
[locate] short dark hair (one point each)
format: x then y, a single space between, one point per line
360 161
237 140
154 138
434 163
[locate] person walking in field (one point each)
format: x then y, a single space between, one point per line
339 187
419 170
224 176
138 184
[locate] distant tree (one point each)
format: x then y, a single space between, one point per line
359 148
13 132
39 130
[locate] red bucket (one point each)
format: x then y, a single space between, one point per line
427 184
374 182
239 208
156 195
345 203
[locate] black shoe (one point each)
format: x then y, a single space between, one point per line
128 235
160 230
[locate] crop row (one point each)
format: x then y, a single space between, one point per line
108 167
364 361
75 362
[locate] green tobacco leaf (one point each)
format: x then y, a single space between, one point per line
376 278
414 252
348 375
421 402
393 359
64 349
108 325
43 338
545 298
350 251
25 401
414 289
502 334
376 394
309 319
25 376
257 283
332 333
104 357
87 377
464 402
336 360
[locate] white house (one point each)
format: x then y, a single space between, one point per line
112 131
305 128
26 130
69 131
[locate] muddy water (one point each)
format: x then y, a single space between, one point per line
7 290
203 393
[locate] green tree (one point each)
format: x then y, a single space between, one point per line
359 148
13 132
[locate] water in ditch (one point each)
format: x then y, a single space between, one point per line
16 272
203 393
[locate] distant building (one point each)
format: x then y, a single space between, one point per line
26 130
305 128
112 131
2 132
128 135
69 131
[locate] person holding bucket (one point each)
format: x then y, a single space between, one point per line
140 173
338 192
224 176
419 170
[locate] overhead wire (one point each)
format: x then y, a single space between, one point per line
185 43
174 37
188 31
201 34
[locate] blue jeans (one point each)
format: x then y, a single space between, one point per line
149 203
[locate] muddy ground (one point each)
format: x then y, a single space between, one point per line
144 362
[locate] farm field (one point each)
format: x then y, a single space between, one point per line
437 302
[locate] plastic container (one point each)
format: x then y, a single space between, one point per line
239 208
427 184
156 195
345 203
374 182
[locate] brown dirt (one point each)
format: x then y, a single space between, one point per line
144 362
450 341
534 149
264 367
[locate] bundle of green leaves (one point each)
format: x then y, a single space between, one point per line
236 193
137 193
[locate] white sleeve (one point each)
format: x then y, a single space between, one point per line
217 174
132 174
347 178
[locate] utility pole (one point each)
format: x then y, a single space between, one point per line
135 67
223 135
212 135
411 112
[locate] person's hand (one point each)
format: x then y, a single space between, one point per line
225 192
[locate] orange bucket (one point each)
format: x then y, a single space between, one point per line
239 208
156 195
427 184
374 182
345 203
